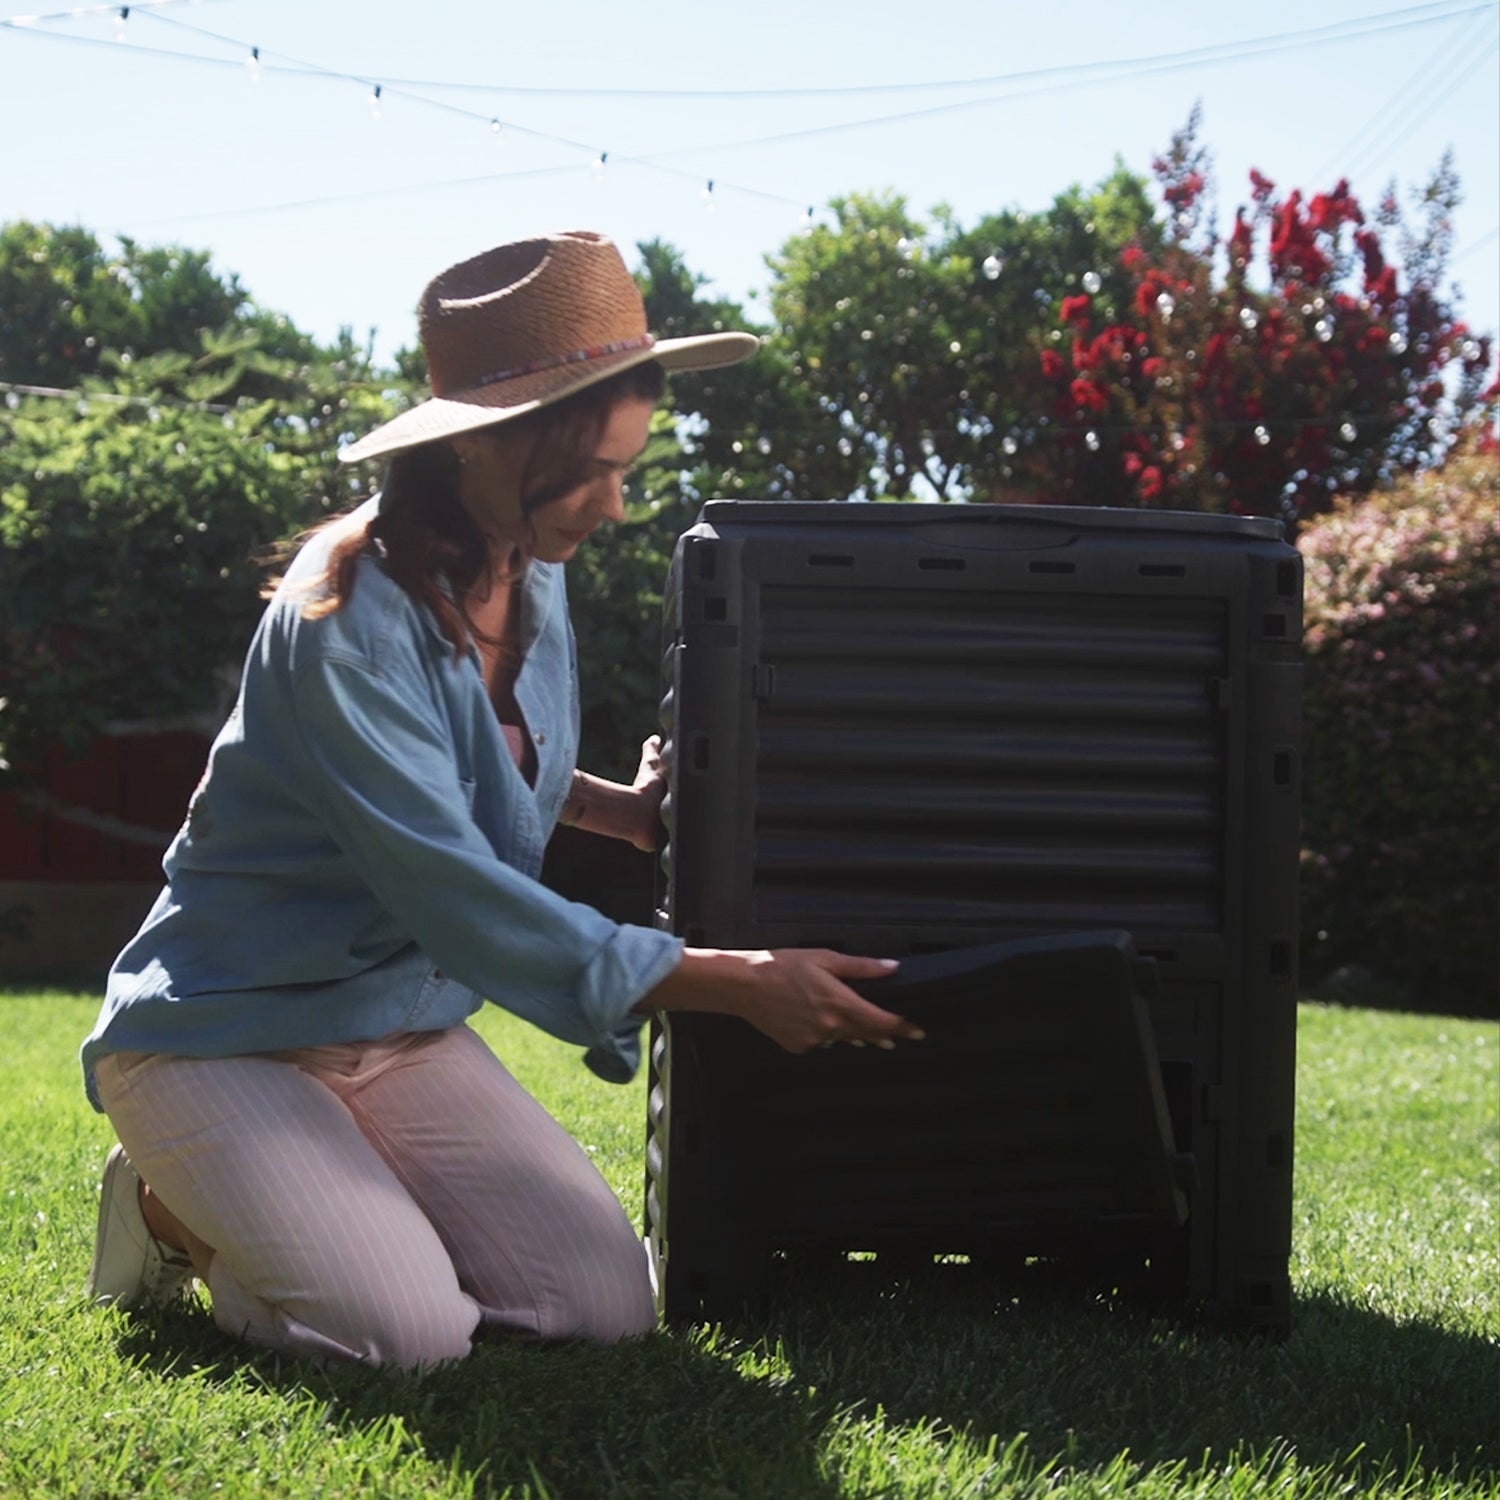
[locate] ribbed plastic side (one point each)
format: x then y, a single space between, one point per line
1001 761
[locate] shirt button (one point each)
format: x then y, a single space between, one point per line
540 738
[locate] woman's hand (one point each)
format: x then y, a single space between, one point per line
650 787
632 813
796 996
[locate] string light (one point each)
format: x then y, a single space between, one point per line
252 65
496 128
1072 76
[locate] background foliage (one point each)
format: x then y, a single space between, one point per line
1113 349
1402 734
190 430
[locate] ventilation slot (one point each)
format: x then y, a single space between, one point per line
707 558
1281 768
942 564
1274 627
1281 959
1054 567
1286 580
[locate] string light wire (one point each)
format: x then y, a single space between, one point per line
1064 77
1061 78
78 12
1433 12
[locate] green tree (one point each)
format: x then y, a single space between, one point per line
68 305
197 430
916 341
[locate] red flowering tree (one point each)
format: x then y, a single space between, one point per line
1267 374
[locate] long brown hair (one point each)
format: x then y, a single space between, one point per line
423 534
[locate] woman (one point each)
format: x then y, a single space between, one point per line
306 1123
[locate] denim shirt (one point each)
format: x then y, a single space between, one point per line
362 854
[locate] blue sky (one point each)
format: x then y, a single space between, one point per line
336 217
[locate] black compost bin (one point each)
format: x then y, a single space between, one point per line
1049 757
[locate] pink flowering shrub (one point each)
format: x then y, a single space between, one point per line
1401 810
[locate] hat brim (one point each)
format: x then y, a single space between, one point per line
446 416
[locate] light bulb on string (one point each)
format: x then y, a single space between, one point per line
807 220
708 195
375 102
252 65
121 17
600 162
496 128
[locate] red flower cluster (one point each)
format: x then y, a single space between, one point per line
1328 211
1295 255
1183 192
1271 402
1380 279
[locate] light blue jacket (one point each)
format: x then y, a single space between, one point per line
362 855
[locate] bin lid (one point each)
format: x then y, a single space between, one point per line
721 514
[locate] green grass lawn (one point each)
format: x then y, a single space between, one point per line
1388 1386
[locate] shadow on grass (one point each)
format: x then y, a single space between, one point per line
1089 1376
663 1416
746 1413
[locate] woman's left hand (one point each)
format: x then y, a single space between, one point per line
650 787
617 811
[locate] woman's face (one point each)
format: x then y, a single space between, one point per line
490 484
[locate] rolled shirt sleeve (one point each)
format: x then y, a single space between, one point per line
380 771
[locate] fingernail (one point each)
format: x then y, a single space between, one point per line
886 1044
918 1035
855 1042
890 963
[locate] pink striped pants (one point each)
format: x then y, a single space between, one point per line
380 1201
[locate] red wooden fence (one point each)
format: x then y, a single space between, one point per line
107 816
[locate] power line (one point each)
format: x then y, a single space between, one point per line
1478 244
1419 14
1136 68
330 199
1414 122
1369 140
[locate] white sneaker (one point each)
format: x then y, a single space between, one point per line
131 1265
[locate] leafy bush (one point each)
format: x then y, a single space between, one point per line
1402 803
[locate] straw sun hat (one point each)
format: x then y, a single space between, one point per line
526 324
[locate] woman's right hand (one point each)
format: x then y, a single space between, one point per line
796 996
